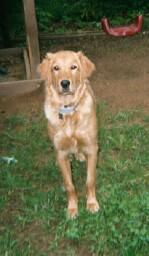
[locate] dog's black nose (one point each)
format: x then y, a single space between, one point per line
65 84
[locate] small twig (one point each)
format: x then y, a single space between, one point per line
12 138
147 174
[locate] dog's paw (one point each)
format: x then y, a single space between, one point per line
93 206
72 212
80 157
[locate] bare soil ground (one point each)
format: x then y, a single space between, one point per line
14 66
121 78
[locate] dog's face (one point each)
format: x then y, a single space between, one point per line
66 70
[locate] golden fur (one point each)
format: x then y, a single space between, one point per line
74 132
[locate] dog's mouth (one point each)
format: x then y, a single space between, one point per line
66 92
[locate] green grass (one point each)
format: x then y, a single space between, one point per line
33 203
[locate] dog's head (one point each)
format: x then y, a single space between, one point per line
65 70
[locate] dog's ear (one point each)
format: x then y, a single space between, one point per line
87 66
44 67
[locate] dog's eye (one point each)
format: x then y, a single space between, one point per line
73 67
56 68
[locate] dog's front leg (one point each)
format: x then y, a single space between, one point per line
64 164
92 203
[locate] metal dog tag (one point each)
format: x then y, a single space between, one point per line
60 116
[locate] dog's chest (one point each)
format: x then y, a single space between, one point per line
56 119
70 131
60 121
51 114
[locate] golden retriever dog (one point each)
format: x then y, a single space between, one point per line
70 110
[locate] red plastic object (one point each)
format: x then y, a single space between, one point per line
123 31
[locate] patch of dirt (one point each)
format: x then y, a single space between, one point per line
36 235
30 103
14 68
12 208
121 78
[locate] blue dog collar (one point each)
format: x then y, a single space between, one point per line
66 110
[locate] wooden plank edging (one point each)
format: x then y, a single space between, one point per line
20 87
11 51
27 64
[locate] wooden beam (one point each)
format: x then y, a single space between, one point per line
67 35
32 36
11 51
27 65
20 87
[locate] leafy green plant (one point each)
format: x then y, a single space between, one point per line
61 16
